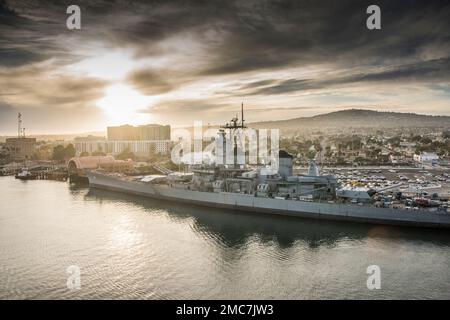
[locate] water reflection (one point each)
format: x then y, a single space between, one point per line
136 247
234 229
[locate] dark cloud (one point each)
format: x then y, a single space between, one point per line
242 41
190 110
23 40
241 36
17 57
197 106
434 70
151 82
238 36
256 84
40 87
276 33
67 90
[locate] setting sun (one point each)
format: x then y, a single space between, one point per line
123 104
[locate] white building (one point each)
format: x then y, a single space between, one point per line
426 157
140 148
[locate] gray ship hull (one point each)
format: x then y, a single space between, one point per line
243 202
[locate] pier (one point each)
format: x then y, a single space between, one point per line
36 170
58 175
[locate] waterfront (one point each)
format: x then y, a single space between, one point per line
131 247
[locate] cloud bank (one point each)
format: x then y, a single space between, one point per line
200 59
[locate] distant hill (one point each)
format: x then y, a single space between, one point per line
357 118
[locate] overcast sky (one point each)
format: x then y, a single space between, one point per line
174 62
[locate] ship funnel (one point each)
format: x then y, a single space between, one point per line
285 164
313 169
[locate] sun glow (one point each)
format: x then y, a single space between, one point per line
111 65
123 104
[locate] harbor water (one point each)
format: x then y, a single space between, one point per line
128 247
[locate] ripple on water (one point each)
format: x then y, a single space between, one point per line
137 248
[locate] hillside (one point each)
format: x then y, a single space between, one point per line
356 118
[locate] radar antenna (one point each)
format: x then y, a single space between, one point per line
232 126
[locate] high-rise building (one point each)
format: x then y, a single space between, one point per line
143 141
154 132
21 148
144 132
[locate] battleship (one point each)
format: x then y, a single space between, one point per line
254 188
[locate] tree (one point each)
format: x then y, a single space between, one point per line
58 153
341 161
69 151
84 154
310 154
395 141
125 155
45 152
418 150
426 140
416 138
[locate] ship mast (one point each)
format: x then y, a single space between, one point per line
232 126
242 116
234 123
19 125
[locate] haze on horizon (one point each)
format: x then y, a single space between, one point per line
173 62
